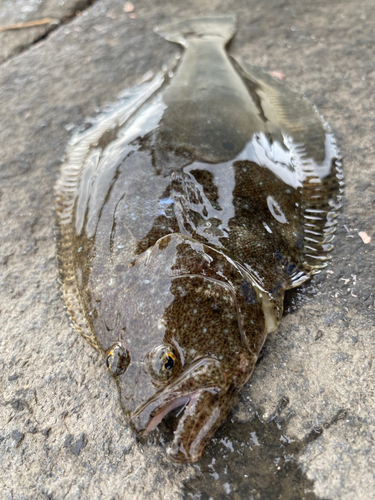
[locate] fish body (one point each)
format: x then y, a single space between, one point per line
185 213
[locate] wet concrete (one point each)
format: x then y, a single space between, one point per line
252 460
62 432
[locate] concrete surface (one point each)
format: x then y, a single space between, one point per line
22 11
304 426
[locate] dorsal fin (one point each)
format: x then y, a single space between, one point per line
315 155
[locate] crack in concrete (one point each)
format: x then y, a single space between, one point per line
81 6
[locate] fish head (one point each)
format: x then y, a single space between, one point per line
183 345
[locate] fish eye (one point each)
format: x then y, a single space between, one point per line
117 360
162 362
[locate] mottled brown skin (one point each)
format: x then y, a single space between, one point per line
184 216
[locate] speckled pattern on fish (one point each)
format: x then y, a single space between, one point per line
185 213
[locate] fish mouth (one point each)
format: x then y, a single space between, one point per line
182 401
202 390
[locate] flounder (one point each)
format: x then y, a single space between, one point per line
185 212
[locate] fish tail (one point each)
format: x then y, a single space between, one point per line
222 26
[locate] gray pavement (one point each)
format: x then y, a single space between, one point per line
13 12
304 426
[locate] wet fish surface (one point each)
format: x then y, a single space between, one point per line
185 212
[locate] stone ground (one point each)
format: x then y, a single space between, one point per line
304 426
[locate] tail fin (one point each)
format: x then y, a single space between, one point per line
223 26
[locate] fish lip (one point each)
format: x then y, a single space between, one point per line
163 411
179 393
